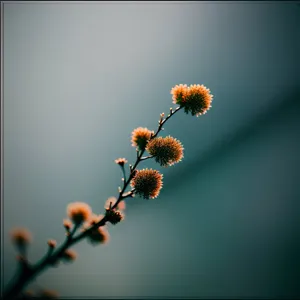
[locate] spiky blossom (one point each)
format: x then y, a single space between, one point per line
69 255
115 215
166 150
147 183
98 235
21 237
140 137
121 161
179 93
195 99
79 212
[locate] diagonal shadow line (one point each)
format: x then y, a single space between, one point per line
286 105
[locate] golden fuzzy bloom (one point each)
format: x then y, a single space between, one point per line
69 255
195 99
121 161
99 235
21 237
198 100
147 183
121 205
52 243
178 93
166 151
140 137
79 212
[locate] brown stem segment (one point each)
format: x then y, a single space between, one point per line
32 271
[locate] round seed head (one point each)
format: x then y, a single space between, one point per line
79 212
195 99
178 93
147 183
140 137
166 150
21 237
69 255
99 235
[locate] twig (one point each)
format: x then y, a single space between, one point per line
146 157
28 274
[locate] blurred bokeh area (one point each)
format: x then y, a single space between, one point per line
79 77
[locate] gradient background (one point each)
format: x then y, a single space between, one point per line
78 78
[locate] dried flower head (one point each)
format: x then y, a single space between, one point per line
147 183
140 137
195 99
21 237
113 216
121 161
112 201
166 150
52 243
98 235
79 212
198 100
179 93
69 255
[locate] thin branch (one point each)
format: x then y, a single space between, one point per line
124 174
147 157
25 277
128 194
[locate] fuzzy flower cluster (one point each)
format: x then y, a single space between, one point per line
115 215
79 212
100 234
121 161
21 237
69 255
147 183
140 137
166 150
195 99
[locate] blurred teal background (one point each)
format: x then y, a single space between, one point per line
79 77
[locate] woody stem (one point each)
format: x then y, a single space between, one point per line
28 274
